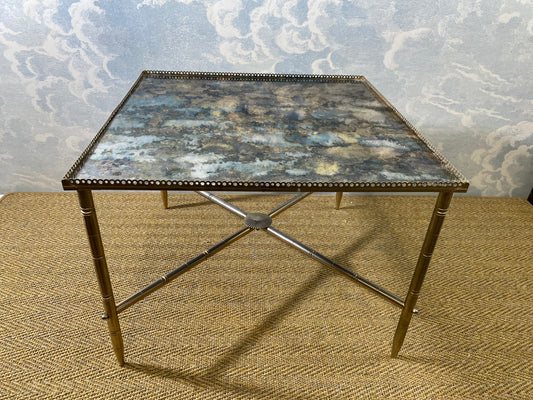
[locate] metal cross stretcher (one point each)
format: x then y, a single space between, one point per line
255 221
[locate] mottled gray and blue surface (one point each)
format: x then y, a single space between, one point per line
306 130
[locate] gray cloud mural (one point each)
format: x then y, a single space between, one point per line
460 71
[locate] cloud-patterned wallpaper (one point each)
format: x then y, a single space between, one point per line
460 71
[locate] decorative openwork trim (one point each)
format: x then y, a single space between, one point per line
236 76
109 184
79 162
71 183
445 163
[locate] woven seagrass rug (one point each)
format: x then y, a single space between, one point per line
260 320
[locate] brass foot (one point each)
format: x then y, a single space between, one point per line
338 199
164 197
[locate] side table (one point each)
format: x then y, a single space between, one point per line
225 132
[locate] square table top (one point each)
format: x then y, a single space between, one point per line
259 132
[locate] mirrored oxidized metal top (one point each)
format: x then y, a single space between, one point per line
259 132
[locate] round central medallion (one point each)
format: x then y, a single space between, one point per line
257 221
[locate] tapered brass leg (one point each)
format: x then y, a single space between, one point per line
164 197
338 199
102 274
435 225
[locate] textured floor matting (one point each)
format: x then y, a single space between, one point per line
260 319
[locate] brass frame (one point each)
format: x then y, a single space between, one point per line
84 188
111 309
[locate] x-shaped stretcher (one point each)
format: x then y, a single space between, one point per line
255 221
